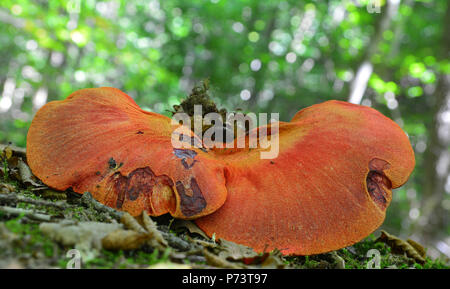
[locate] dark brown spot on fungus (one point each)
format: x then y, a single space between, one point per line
378 185
120 187
139 181
191 202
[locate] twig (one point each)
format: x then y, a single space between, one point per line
89 201
216 261
14 198
152 229
26 213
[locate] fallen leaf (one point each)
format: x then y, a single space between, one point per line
6 188
131 223
401 247
7 153
190 226
232 255
220 262
136 235
231 250
153 231
272 260
203 243
419 248
124 240
25 174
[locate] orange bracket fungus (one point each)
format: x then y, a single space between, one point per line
329 186
99 140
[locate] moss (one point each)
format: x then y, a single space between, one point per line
30 243
355 257
199 96
126 259
432 264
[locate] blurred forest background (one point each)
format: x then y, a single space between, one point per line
271 56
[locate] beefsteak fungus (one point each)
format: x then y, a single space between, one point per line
328 188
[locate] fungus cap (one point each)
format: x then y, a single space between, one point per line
328 188
99 140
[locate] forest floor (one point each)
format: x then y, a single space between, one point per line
41 227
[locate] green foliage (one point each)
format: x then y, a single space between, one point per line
288 54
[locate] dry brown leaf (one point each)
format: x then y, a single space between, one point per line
419 248
231 250
273 261
148 229
131 223
203 243
6 188
124 240
17 167
25 174
7 153
190 226
220 262
152 229
401 247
